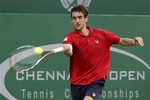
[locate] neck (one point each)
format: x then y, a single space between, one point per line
85 31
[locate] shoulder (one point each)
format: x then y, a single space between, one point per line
103 31
100 30
72 33
70 36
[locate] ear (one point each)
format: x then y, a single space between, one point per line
86 19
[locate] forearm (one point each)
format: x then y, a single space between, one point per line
127 42
130 42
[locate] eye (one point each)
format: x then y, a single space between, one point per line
80 17
74 18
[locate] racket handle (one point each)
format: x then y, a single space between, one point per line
59 49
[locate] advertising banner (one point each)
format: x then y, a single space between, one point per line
49 80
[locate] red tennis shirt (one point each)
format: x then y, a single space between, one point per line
91 55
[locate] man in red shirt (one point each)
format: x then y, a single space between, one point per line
89 51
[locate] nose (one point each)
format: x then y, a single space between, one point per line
77 20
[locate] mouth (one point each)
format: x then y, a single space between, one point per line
78 25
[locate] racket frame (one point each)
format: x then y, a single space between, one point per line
56 50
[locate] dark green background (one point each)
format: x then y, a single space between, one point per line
43 29
42 22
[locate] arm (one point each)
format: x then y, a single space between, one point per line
130 42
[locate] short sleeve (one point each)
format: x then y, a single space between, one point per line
67 39
111 37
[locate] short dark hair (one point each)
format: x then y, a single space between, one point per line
80 8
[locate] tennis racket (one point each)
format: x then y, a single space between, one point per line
24 58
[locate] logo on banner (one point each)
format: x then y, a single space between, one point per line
68 4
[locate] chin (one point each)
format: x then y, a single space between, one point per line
78 28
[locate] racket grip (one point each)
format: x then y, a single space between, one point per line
59 49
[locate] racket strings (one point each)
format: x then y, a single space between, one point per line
25 58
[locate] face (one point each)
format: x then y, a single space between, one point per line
78 20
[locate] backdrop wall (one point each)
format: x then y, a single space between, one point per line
129 76
45 22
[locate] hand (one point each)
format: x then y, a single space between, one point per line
138 40
67 49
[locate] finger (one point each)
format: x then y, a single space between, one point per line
139 40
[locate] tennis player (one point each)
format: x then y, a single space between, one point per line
89 51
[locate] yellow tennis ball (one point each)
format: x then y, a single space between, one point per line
38 50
